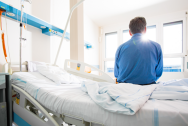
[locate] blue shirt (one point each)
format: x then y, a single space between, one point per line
138 61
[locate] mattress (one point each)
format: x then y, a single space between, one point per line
70 99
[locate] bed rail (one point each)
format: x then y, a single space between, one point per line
78 68
20 109
72 66
53 118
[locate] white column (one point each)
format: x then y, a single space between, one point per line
77 33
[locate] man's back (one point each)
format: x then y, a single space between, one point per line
138 61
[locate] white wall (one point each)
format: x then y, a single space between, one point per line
91 35
59 12
146 8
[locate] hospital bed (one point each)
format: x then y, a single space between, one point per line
80 110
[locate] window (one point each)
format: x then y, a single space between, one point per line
173 37
151 33
170 35
126 36
111 43
109 66
172 65
173 45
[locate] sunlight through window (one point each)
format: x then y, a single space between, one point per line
111 44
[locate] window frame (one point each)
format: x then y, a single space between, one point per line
104 59
122 34
184 44
105 43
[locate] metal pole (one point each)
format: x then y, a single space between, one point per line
70 14
8 91
21 39
21 25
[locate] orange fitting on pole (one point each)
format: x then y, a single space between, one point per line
3 38
4 48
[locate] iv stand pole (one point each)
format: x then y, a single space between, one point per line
70 14
21 28
22 6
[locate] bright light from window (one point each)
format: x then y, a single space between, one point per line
109 66
172 64
173 37
144 38
111 44
151 33
126 36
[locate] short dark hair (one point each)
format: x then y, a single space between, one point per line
137 25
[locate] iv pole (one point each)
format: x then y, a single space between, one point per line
21 26
70 14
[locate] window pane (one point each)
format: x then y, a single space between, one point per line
173 37
111 44
151 33
173 64
109 66
126 36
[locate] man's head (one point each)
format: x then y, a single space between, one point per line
137 25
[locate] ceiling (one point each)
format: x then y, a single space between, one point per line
104 12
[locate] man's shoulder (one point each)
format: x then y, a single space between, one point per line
122 46
125 43
155 43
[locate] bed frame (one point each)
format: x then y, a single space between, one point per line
37 115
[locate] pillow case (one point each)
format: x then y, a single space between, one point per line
58 75
32 65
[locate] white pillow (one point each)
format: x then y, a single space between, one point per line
32 65
58 75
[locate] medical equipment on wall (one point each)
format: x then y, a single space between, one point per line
70 14
21 30
88 45
45 27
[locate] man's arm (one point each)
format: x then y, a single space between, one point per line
159 68
116 67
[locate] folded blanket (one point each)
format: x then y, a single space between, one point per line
172 90
122 98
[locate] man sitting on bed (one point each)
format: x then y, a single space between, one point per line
139 60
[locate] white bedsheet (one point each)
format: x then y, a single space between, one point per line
122 98
173 90
68 98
